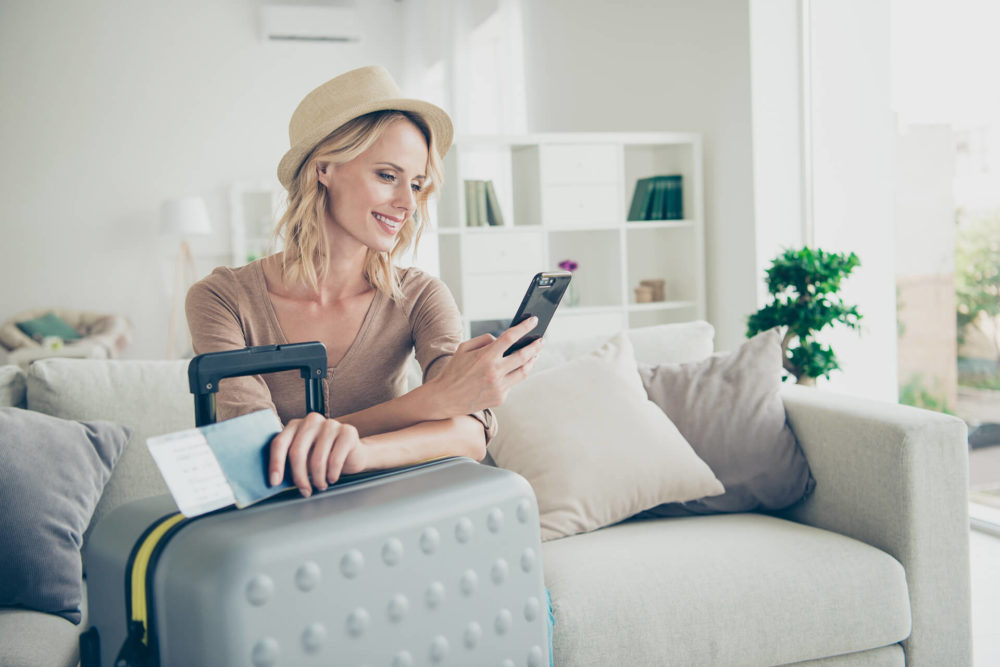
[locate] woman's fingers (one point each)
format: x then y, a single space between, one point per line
319 457
518 359
317 450
279 451
475 343
347 441
478 376
514 334
293 446
298 452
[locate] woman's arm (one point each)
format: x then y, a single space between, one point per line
456 436
319 450
476 377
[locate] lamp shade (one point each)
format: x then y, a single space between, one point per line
185 216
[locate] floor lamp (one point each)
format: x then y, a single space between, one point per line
183 217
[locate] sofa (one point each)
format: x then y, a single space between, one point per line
869 568
101 336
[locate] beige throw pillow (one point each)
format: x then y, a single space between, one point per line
594 448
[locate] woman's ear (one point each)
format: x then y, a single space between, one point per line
323 171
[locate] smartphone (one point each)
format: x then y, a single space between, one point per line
541 300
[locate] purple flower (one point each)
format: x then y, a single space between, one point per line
568 265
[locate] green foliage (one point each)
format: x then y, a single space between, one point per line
978 373
977 270
803 285
916 394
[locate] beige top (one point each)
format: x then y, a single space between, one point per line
230 309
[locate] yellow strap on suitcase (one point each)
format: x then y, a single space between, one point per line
135 651
140 565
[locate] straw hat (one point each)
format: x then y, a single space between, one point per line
348 96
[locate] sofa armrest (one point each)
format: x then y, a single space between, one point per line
897 478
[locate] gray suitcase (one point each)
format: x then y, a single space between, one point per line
433 564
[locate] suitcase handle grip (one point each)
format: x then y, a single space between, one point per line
205 371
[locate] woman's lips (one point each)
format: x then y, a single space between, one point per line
388 223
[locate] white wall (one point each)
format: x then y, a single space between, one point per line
823 162
852 167
780 215
111 106
924 200
596 65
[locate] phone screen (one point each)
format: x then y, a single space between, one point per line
541 300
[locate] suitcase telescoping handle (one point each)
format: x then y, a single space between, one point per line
205 371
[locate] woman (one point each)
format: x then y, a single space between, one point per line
363 163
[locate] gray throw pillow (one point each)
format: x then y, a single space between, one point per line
729 409
52 473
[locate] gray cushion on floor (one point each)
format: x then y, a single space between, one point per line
35 639
764 593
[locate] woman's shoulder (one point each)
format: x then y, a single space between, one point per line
421 290
414 281
227 282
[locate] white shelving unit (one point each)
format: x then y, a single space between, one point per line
567 196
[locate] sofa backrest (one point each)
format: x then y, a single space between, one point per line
664 343
152 397
12 383
149 397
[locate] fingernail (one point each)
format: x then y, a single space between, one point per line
306 492
275 478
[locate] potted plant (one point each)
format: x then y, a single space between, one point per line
803 285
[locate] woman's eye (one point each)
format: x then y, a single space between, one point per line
417 187
387 177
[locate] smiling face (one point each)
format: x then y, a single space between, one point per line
373 195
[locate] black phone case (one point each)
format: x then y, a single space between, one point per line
558 288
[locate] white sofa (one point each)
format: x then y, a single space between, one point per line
872 568
104 336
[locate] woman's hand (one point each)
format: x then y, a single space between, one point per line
478 376
318 451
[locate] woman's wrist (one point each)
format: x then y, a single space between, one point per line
427 402
371 454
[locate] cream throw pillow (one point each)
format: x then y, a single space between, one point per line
594 448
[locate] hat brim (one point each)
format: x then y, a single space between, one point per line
436 118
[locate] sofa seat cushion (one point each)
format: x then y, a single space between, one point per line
37 639
728 589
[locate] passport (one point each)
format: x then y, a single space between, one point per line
218 465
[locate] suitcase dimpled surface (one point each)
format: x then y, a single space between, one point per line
435 565
438 565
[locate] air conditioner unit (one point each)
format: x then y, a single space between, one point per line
301 23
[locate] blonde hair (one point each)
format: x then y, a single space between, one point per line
305 257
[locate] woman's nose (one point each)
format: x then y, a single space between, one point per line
406 199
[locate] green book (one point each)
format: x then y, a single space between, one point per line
494 216
481 203
640 199
656 202
673 206
472 218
